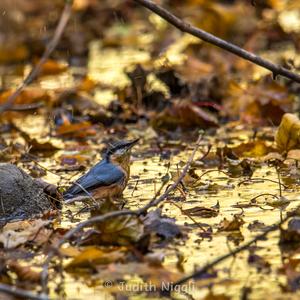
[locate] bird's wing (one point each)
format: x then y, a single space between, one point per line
102 174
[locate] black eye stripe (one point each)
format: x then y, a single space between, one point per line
120 145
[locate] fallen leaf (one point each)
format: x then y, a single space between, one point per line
231 225
287 136
51 67
80 130
190 178
123 230
92 256
162 226
257 148
18 233
185 114
203 212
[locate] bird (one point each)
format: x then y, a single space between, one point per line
108 178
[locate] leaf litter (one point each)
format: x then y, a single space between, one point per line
163 94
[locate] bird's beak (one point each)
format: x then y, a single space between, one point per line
132 143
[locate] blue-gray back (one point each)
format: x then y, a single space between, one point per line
103 173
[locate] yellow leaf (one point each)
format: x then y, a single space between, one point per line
94 256
288 134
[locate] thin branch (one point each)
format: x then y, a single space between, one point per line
20 293
64 18
210 38
258 180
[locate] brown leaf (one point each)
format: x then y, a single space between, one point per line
185 114
190 178
34 144
123 230
203 212
79 130
231 225
258 103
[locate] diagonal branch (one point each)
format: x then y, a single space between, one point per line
210 38
20 293
65 16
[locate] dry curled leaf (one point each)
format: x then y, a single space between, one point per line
288 133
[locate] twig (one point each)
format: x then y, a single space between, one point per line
232 253
210 38
257 180
279 181
187 215
210 171
25 107
263 195
14 291
65 16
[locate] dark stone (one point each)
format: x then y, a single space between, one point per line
20 195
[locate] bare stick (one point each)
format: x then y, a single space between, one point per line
210 38
65 16
17 292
